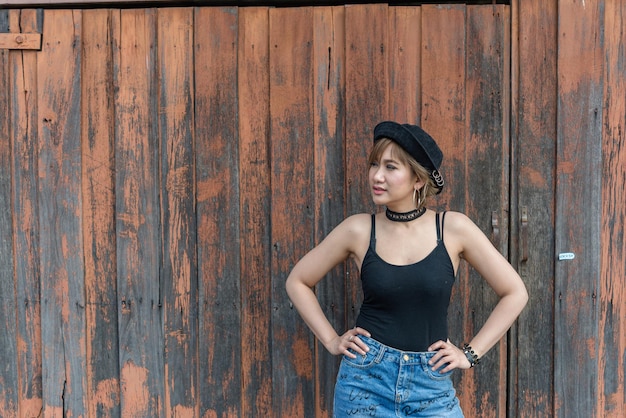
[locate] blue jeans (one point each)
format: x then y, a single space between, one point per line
387 382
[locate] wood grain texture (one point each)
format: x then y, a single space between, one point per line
254 214
217 172
60 210
98 192
534 134
444 117
138 212
9 378
329 171
405 64
179 283
579 149
366 92
612 292
25 212
292 201
487 187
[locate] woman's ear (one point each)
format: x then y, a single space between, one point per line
419 183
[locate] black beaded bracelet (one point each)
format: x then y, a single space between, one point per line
472 357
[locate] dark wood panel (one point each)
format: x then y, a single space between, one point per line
533 135
578 208
217 202
179 284
487 182
254 210
612 293
9 379
366 92
25 213
292 201
98 191
405 64
329 171
60 209
443 116
137 208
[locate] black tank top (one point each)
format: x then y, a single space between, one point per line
406 307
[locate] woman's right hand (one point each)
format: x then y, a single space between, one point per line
342 344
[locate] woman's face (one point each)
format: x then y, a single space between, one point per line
392 182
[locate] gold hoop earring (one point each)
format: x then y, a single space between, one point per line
415 199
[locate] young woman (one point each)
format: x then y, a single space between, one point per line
398 360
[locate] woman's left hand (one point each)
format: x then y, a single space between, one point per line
448 355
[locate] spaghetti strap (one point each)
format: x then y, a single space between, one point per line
440 225
373 233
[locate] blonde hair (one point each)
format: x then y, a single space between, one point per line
428 189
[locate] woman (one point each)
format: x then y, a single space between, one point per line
398 360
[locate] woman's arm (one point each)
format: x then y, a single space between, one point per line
340 244
471 244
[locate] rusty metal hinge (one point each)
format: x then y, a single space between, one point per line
20 41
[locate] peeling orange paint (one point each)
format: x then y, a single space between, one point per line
107 394
134 390
302 358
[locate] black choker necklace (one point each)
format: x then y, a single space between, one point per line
406 216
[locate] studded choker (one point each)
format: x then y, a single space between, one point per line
405 216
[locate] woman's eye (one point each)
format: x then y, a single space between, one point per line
391 167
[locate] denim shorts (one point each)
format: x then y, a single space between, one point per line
386 382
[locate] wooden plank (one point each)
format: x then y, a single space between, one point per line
329 171
25 212
291 153
612 295
405 42
138 214
443 116
254 210
20 41
533 134
218 223
366 93
179 273
578 207
60 206
9 378
98 188
487 186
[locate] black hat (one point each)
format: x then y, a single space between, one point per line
417 143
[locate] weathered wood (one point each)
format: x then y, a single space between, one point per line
366 92
9 378
120 149
443 116
329 170
254 210
179 279
487 182
534 88
98 189
217 202
611 356
292 200
60 209
578 208
20 41
405 59
138 214
24 134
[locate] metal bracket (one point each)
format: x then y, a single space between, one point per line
30 41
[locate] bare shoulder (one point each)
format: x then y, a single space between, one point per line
353 230
462 234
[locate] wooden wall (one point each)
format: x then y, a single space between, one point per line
162 169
